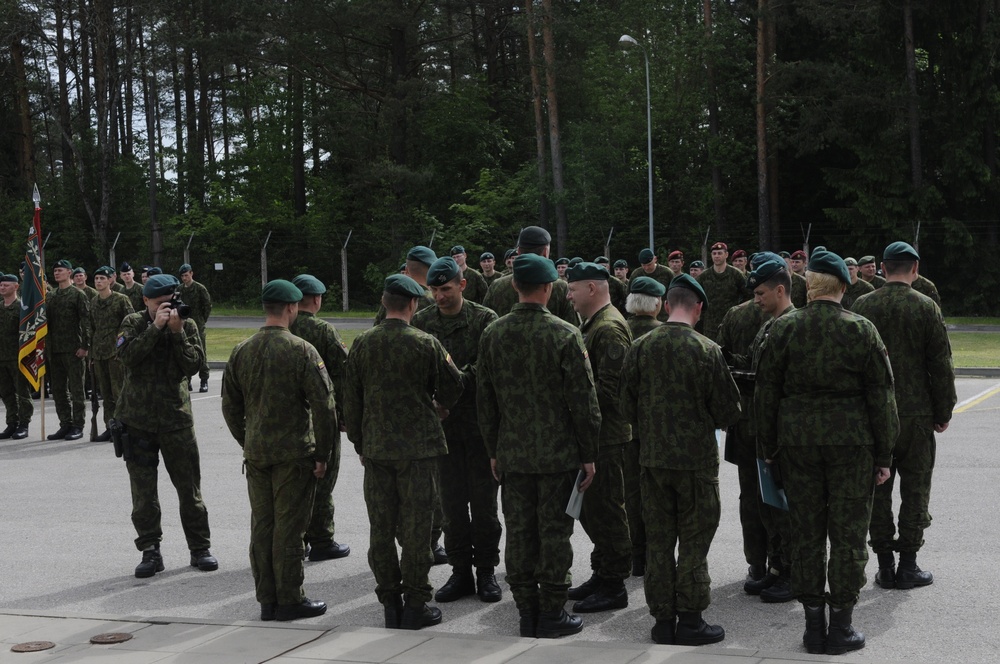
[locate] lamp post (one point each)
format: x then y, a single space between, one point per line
626 39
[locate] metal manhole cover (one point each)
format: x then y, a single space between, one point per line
32 646
110 637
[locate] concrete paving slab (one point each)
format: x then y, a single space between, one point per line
100 654
553 652
256 643
361 645
77 630
174 637
457 650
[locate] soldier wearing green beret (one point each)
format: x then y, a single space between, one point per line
644 302
475 285
13 385
696 268
679 460
67 345
80 281
195 295
398 378
160 351
418 261
508 261
131 288
621 270
107 311
487 266
866 270
915 336
857 287
468 490
725 287
562 264
649 267
331 348
617 287
277 400
826 414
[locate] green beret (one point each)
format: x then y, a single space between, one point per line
763 257
534 269
696 264
125 267
510 252
78 270
646 255
827 262
154 271
562 261
421 254
587 272
820 248
442 271
690 283
63 264
576 260
159 285
900 251
186 267
533 236
8 278
400 284
866 260
763 272
621 262
602 260
280 291
850 262
457 249
103 271
309 285
784 254
487 255
647 286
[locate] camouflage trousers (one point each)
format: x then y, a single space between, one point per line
913 461
281 497
67 372
633 497
682 510
180 458
829 490
742 447
203 370
603 516
538 553
15 394
469 502
401 498
109 376
321 527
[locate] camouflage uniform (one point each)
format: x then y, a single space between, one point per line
426 301
502 297
724 290
915 336
135 295
89 291
196 296
925 286
540 419
475 286
875 282
13 385
661 274
825 411
800 291
331 348
854 291
395 373
619 293
679 457
489 280
68 312
277 400
155 405
106 316
467 484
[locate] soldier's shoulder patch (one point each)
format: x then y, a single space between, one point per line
447 357
121 340
616 352
321 364
586 355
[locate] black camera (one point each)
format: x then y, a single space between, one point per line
183 310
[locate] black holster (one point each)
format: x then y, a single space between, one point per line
121 439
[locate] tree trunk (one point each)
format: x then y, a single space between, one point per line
536 96
84 64
24 138
763 198
298 143
65 119
150 104
713 124
195 154
555 145
128 146
913 101
179 136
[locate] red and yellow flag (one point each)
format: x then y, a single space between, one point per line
34 322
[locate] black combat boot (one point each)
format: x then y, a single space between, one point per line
487 586
814 638
692 630
307 608
585 589
21 432
757 579
74 433
268 611
908 575
886 575
418 616
8 432
553 624
60 433
663 631
152 562
779 591
639 564
610 595
104 437
204 560
461 584
529 622
440 555
842 636
331 551
393 611
204 385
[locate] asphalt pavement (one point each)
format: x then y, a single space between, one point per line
66 546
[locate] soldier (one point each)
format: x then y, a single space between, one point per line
115 286
621 270
487 265
540 419
107 311
648 267
562 264
725 287
617 287
80 281
787 257
696 268
508 260
476 285
418 261
397 378
144 275
679 457
925 286
607 338
866 269
502 295
160 351
68 312
797 262
675 261
825 412
132 289
332 350
740 260
13 386
857 287
276 385
196 296
916 339
468 488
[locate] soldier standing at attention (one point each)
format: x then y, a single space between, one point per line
274 386
487 265
540 419
467 485
418 261
562 264
80 281
857 287
160 351
331 348
915 336
740 260
675 261
13 385
616 287
397 379
798 265
607 338
825 412
676 366
196 296
107 311
621 270
866 269
68 344
648 267
696 268
724 286
131 287
475 285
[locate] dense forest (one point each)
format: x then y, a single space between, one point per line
227 128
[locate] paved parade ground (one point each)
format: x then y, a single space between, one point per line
66 546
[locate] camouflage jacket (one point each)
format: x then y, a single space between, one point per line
538 409
395 373
118 288
738 329
158 364
607 338
196 296
824 379
640 325
724 290
916 339
277 399
677 390
10 330
876 281
426 301
475 286
459 334
502 297
135 295
854 291
106 316
89 291
327 342
800 291
619 293
925 286
661 274
68 311
489 280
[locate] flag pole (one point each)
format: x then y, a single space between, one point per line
37 198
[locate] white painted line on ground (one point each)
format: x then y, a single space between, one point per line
977 399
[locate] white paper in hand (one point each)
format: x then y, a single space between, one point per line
575 503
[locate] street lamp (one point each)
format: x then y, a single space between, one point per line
626 39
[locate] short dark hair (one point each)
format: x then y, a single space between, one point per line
395 301
528 289
684 298
897 267
415 267
780 278
274 308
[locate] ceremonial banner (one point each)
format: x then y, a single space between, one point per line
34 323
